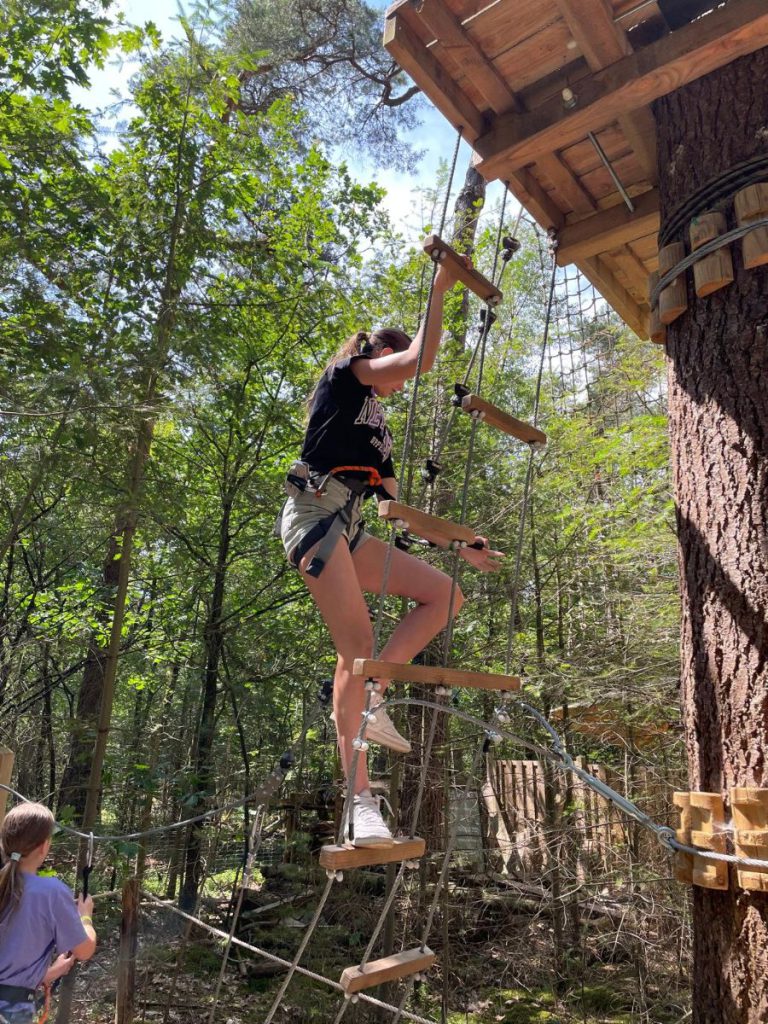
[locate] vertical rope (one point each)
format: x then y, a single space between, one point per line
528 475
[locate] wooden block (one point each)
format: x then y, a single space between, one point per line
708 831
6 770
752 204
657 330
716 270
683 861
433 675
389 968
749 807
435 247
424 525
337 858
673 301
495 417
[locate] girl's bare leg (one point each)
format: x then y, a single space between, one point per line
338 596
412 578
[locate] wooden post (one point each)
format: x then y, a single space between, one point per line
752 204
657 330
750 822
126 961
716 270
6 769
673 301
683 861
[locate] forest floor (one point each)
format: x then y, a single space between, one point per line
499 961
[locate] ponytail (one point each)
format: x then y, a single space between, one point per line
25 828
363 343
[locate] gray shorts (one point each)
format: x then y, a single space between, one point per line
304 520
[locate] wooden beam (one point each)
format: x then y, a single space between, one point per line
389 968
633 82
434 675
567 186
6 771
435 247
451 37
531 195
424 525
608 229
434 81
591 25
602 42
636 315
337 858
496 417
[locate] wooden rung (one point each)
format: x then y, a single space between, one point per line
749 807
752 204
424 525
673 301
389 968
435 247
337 858
716 270
433 675
6 770
656 330
496 417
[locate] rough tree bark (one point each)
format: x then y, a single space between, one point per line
718 372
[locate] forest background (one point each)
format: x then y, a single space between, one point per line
175 273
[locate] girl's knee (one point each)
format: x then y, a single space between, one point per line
451 597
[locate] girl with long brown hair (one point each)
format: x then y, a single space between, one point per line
347 457
38 917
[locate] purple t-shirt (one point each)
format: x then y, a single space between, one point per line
46 921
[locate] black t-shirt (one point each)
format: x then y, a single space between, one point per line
347 425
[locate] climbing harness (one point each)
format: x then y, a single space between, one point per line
358 482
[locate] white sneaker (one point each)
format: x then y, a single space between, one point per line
383 732
368 825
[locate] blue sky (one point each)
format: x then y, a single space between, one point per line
436 137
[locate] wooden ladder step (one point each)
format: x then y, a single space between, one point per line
424 525
433 675
337 858
389 968
496 417
435 247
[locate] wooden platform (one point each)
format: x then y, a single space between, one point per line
439 250
433 675
339 858
424 525
389 968
496 417
529 80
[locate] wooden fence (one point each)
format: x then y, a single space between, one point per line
527 830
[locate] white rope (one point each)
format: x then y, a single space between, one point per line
312 975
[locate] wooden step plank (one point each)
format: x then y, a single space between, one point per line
468 276
424 525
389 968
434 675
337 858
496 417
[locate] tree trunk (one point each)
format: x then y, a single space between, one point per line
466 216
718 412
202 773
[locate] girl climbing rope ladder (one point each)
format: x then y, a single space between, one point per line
38 917
346 458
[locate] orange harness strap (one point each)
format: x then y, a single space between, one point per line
374 476
46 1011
